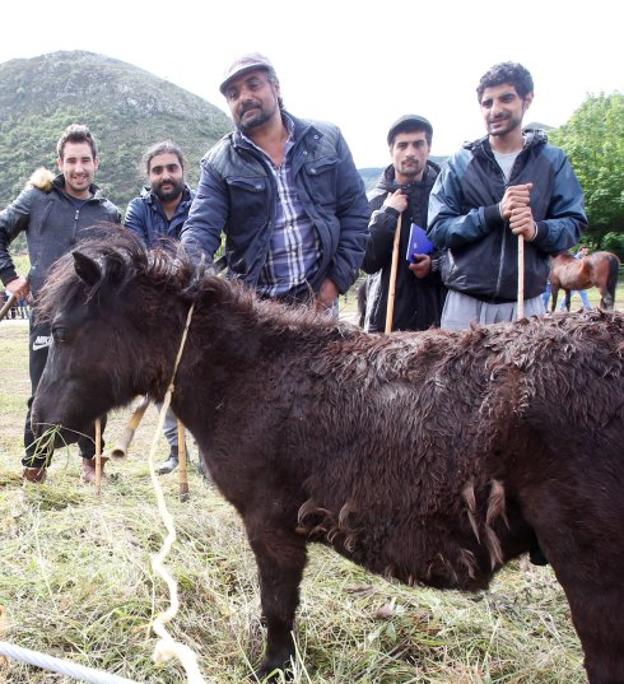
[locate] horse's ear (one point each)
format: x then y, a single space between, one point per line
87 269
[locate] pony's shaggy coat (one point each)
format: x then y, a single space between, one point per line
430 457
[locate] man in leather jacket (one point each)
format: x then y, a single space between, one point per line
403 191
510 183
284 191
53 212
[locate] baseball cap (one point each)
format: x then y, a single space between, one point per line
242 65
409 122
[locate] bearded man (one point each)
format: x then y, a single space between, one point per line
157 215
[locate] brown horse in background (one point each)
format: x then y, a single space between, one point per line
599 269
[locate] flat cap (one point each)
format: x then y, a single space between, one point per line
409 122
241 65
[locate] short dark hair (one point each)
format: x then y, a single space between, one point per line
76 133
164 147
507 72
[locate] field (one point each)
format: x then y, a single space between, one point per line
76 582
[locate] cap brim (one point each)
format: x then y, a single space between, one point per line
241 72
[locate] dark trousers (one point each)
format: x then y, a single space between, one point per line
39 339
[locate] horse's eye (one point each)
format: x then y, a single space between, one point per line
60 334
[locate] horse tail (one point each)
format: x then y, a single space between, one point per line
612 279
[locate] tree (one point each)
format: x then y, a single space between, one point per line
593 138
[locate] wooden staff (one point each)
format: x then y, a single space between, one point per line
98 457
520 306
182 463
393 276
121 449
9 303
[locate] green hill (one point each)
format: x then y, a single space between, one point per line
126 108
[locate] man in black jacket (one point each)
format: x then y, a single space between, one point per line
403 190
508 184
53 212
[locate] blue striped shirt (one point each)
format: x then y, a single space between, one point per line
295 247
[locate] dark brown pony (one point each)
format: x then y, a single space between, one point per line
431 457
599 269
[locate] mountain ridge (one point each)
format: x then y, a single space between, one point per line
126 108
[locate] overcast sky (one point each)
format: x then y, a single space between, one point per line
359 65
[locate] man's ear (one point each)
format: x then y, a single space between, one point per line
528 99
88 270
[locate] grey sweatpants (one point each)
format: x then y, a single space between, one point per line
460 310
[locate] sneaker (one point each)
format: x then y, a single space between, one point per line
169 465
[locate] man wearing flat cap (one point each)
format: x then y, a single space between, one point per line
402 192
284 191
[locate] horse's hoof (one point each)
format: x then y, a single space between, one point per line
274 670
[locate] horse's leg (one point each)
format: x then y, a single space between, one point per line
281 558
607 300
567 299
554 292
587 557
596 607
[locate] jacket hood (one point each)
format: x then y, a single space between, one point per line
42 179
388 182
532 138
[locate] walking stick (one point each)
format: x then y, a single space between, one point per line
9 303
98 457
182 463
393 276
121 449
520 306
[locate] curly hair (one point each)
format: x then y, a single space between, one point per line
507 72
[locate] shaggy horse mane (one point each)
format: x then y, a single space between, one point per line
124 261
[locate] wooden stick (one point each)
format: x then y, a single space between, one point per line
520 306
98 457
121 449
182 463
9 303
393 276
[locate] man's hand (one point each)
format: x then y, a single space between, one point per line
515 197
522 223
421 266
19 287
327 295
397 201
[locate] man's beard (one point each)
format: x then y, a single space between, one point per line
254 122
169 195
509 124
411 170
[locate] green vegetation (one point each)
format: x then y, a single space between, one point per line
76 582
126 108
594 140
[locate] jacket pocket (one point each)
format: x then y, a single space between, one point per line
320 179
248 199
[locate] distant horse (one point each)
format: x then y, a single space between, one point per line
599 269
431 457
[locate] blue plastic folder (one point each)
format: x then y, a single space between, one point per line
418 243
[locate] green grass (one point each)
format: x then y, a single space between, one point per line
76 582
